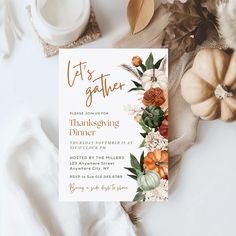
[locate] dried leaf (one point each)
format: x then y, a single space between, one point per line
227 22
211 5
188 25
140 13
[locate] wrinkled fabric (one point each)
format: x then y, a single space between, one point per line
182 123
29 193
9 30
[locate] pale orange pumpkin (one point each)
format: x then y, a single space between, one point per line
157 161
210 85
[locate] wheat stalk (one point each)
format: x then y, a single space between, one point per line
131 70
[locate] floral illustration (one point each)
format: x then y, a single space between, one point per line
150 170
157 161
154 97
155 140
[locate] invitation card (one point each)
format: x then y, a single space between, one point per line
113 125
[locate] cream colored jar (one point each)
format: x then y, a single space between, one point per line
59 22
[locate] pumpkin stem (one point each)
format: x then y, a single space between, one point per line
153 78
148 113
221 92
159 163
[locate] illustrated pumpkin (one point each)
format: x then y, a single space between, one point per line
148 180
154 78
210 85
157 161
152 117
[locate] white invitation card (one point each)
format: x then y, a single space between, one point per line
113 125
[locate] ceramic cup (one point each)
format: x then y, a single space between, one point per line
59 22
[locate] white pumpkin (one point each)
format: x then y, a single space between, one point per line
148 180
154 78
210 85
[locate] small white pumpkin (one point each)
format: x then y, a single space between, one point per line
148 180
154 78
210 85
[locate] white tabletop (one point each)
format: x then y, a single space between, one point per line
203 201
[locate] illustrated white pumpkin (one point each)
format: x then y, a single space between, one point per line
154 78
148 180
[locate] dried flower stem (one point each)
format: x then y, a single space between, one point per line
130 69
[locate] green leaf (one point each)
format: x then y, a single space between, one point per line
138 85
142 144
132 170
143 67
140 73
149 62
138 197
139 190
134 162
145 128
157 65
144 135
142 161
139 172
136 89
133 177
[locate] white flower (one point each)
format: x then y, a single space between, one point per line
154 78
158 194
154 140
